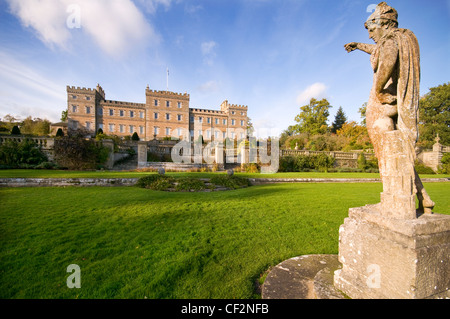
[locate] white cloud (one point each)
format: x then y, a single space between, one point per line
316 90
208 52
116 26
208 87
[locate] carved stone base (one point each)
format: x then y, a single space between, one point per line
386 258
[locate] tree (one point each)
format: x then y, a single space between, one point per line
64 115
434 108
135 137
36 126
362 110
59 133
313 117
357 136
99 131
15 130
339 120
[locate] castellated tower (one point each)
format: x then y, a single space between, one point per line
167 114
82 108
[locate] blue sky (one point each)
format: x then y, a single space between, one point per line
272 55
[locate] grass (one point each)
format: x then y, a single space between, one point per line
23 173
137 243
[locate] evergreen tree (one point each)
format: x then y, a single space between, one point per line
15 130
339 120
135 137
59 133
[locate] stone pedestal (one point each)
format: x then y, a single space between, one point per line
142 154
398 199
389 258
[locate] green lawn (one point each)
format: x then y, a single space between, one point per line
24 173
137 243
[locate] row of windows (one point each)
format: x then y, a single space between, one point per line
208 133
168 104
168 116
217 121
122 113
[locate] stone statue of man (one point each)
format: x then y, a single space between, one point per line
394 99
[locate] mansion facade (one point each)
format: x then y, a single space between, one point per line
163 115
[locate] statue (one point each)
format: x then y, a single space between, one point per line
392 109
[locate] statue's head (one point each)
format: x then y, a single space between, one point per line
381 21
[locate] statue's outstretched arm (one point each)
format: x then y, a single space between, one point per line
368 48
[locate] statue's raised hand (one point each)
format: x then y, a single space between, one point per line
352 46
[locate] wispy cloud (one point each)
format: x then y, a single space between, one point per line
116 26
316 90
24 91
209 52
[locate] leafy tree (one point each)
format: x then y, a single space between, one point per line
76 152
339 120
15 154
313 117
15 130
357 136
64 115
36 126
434 108
362 110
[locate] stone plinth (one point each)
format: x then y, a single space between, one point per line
398 199
388 258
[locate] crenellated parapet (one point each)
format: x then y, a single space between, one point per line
123 104
166 94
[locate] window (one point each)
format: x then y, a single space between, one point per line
156 130
233 122
168 103
208 120
88 125
167 116
242 122
88 110
192 119
74 108
111 127
217 121
88 98
232 135
131 113
200 119
155 115
121 129
100 126
224 122
121 113
242 135
111 112
179 131
141 115
167 131
100 111
179 105
141 130
131 129
208 134
179 117
156 102
74 97
243 113
233 112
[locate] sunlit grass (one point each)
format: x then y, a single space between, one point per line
137 243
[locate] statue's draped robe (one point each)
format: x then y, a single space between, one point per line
406 78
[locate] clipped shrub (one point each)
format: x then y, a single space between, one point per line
155 182
15 130
445 164
233 182
187 183
422 169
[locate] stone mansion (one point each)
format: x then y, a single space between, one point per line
164 114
